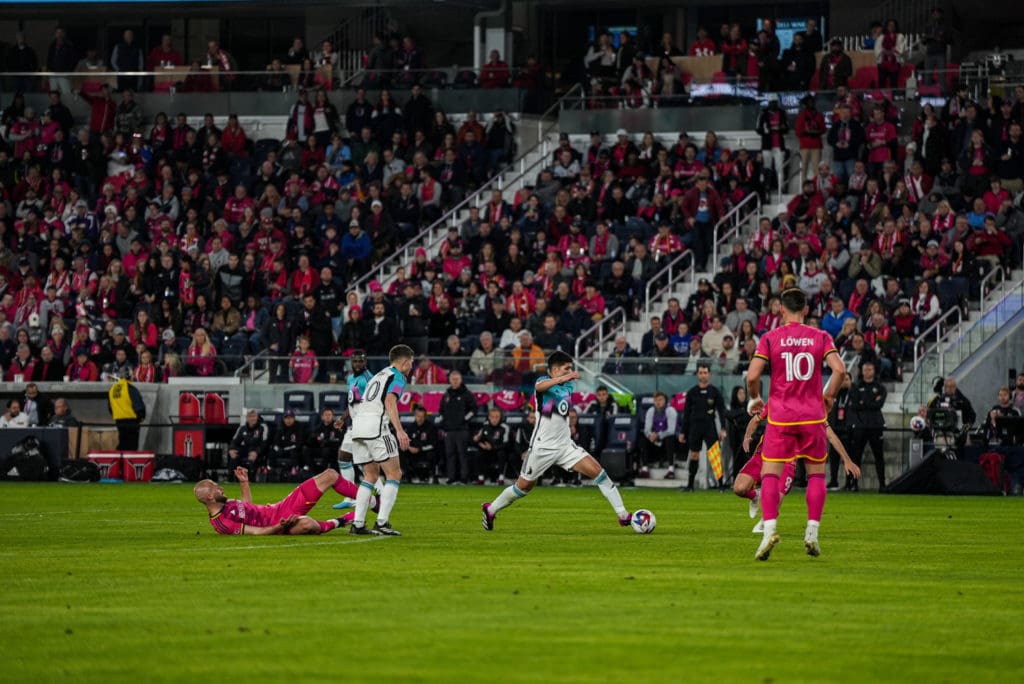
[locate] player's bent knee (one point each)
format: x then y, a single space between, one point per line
525 485
329 476
742 485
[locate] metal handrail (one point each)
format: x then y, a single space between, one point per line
251 364
452 215
602 335
935 327
670 272
998 270
734 215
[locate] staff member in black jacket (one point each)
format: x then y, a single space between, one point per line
457 408
703 401
249 444
325 441
866 399
492 441
839 420
421 458
286 450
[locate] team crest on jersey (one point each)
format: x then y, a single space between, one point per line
563 407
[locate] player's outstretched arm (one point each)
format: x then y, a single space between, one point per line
837 444
545 385
242 475
748 434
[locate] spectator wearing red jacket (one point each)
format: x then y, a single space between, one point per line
702 206
803 206
164 55
102 111
494 74
989 244
810 127
703 46
233 139
997 199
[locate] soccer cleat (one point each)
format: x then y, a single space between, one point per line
386 529
645 472
625 522
671 474
345 503
811 543
346 519
758 528
765 549
363 530
488 518
755 505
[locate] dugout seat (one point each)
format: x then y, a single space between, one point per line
214 409
299 400
333 399
189 409
622 432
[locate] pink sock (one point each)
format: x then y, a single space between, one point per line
346 488
786 481
770 497
815 496
749 494
327 525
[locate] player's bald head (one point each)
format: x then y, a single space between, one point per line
205 491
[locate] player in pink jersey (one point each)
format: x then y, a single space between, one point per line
795 353
288 516
749 478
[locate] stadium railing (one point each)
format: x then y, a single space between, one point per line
662 281
936 332
591 339
728 227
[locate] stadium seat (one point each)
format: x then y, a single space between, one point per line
514 419
408 401
214 409
333 399
306 418
432 401
509 400
465 79
678 402
581 402
622 432
299 400
645 403
482 398
189 409
865 77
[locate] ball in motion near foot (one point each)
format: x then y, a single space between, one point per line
643 521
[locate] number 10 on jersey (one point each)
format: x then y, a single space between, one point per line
799 366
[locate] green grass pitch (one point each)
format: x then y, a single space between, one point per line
129 583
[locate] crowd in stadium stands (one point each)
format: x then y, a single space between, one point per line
394 59
623 76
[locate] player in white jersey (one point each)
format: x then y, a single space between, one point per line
552 444
374 447
356 381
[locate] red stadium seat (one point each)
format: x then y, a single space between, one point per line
509 400
482 398
679 401
189 409
408 401
214 409
906 71
432 401
581 402
864 78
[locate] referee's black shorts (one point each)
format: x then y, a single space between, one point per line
701 432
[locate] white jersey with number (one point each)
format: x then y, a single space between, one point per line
369 419
552 429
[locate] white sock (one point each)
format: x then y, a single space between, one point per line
508 496
769 527
387 500
611 492
378 486
812 530
362 503
347 470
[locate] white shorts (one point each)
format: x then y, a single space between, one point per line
347 441
374 450
538 461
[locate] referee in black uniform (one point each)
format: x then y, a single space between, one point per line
703 401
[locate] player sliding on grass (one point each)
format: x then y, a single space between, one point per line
795 353
288 516
552 445
749 479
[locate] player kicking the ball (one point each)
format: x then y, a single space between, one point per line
374 447
749 478
551 444
796 353
288 516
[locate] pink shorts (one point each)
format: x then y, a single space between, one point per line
786 443
752 469
300 501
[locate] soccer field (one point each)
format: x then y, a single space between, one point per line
118 583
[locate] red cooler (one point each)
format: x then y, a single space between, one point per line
109 463
138 465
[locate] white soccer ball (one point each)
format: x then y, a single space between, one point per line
917 423
643 521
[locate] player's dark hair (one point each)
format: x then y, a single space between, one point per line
400 352
794 300
558 358
359 354
660 394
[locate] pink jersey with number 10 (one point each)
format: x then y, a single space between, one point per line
795 353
